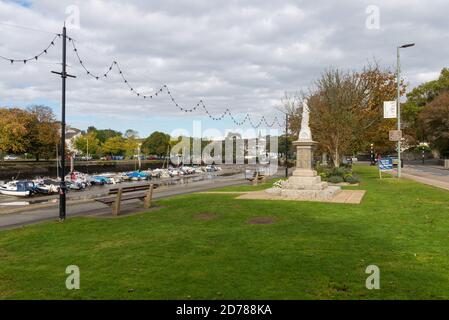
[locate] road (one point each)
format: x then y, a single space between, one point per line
432 175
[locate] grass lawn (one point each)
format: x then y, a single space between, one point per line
201 246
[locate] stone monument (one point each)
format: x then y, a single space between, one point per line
305 184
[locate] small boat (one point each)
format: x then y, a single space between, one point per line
18 188
47 186
76 185
112 178
138 175
156 173
98 180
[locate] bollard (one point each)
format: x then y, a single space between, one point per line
116 206
148 198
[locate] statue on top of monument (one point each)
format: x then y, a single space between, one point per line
305 133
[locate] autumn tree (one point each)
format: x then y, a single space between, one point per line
346 110
417 100
43 132
14 130
434 119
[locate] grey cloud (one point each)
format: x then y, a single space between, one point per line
237 54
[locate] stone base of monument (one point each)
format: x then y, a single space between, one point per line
305 184
306 188
307 195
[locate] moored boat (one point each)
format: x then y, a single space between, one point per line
18 188
47 186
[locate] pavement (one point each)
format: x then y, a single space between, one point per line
432 175
343 196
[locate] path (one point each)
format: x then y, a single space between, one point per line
432 175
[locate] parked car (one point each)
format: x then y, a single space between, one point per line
9 157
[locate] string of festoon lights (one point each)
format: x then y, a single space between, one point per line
35 57
165 89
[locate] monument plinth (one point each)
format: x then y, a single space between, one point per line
305 184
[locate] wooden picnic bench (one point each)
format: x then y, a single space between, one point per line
131 193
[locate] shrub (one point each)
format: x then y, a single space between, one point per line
340 171
335 179
351 179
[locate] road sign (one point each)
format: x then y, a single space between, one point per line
395 135
390 109
385 164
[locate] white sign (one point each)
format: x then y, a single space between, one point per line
395 135
390 109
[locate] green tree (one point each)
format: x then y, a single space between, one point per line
114 146
157 143
131 145
88 143
104 134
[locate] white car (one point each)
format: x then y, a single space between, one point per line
8 157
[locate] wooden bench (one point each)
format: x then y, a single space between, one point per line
130 194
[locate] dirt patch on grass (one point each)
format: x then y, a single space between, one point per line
206 216
262 220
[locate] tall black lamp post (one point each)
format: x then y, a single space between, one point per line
64 75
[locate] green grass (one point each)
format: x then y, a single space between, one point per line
313 251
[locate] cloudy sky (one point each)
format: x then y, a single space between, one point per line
241 55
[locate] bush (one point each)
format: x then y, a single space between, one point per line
335 179
341 172
351 179
337 175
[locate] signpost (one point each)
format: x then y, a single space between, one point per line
385 165
390 110
395 135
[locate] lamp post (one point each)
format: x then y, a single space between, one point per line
398 103
64 75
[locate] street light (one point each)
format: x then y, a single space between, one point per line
398 102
